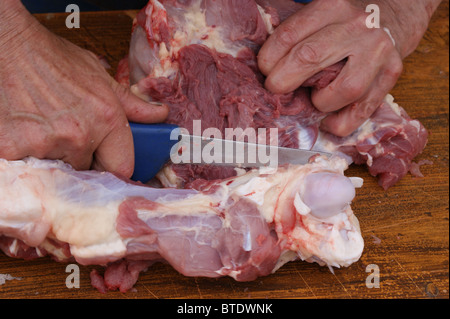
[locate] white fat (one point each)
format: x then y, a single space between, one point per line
286 256
267 170
332 239
45 206
94 224
166 67
108 249
267 18
324 145
169 178
416 125
50 248
255 190
196 31
358 182
389 99
26 207
343 246
226 272
240 171
300 206
13 248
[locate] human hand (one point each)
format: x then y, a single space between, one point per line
58 102
325 32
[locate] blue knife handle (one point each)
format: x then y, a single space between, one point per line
152 146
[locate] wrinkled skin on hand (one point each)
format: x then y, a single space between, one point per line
325 32
58 102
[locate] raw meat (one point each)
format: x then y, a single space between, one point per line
387 143
243 227
201 60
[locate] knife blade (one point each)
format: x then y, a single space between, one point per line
214 151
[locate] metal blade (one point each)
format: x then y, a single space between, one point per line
200 150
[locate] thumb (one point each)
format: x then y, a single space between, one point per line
138 110
116 152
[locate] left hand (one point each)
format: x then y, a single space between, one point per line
325 32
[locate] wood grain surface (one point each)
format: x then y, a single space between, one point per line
406 229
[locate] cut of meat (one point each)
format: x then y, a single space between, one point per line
243 227
201 61
387 143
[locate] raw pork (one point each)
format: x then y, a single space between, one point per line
243 227
199 57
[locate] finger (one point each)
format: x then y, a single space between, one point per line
350 85
79 163
80 159
35 141
361 70
293 30
116 152
323 49
138 110
10 152
348 120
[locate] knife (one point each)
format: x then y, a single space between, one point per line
156 144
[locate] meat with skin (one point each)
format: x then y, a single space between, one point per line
201 61
243 227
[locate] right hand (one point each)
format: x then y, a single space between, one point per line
58 102
326 32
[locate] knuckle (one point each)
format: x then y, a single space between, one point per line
385 43
340 4
286 35
343 130
337 5
108 112
357 24
366 110
121 91
396 69
8 149
339 126
40 143
352 89
307 54
72 131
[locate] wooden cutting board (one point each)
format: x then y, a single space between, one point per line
406 229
